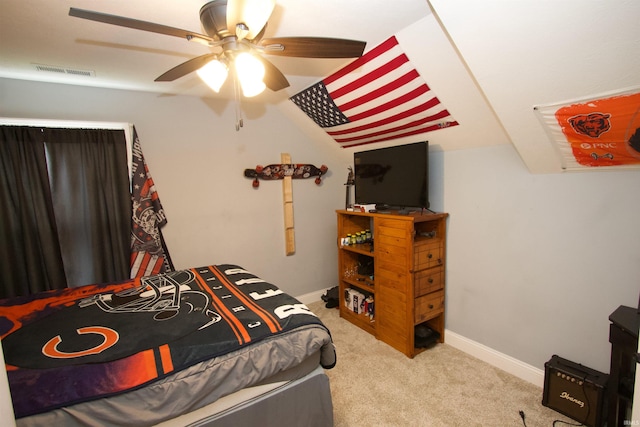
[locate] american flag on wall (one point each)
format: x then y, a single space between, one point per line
378 97
148 253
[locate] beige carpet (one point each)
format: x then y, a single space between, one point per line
376 385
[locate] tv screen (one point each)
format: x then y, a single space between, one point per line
393 177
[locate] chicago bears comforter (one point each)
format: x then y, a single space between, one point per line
78 345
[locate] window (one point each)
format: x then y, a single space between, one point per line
65 214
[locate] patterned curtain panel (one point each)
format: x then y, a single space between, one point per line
149 254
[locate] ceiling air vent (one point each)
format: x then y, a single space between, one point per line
64 70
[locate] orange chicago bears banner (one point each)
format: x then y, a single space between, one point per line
598 132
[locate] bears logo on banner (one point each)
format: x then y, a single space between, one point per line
598 132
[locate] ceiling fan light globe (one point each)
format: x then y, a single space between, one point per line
253 13
249 66
213 73
250 72
252 88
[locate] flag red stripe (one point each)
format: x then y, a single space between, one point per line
402 115
391 104
367 57
374 75
440 115
413 132
389 87
146 258
134 255
157 268
145 264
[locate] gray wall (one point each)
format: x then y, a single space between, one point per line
536 263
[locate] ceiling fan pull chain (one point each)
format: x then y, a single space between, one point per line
236 92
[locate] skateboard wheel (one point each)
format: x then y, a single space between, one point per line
255 183
318 180
259 169
324 168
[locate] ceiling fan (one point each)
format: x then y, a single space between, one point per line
236 29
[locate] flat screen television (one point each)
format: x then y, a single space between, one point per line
394 177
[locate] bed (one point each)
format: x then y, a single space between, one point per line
206 346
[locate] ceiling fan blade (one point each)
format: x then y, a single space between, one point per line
313 47
273 77
186 68
253 13
138 25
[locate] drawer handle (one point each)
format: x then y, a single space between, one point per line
430 256
430 280
430 306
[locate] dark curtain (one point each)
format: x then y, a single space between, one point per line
88 171
65 208
30 258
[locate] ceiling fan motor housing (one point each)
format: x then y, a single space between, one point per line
213 17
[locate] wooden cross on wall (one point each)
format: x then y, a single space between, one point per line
286 171
287 204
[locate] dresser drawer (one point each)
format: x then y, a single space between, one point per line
427 281
427 254
429 306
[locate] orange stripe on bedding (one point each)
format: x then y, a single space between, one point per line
165 358
271 322
238 329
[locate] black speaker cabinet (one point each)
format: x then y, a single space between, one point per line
575 391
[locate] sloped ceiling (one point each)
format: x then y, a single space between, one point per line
488 61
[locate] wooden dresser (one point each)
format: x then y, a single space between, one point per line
400 268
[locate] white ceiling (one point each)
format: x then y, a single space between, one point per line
41 32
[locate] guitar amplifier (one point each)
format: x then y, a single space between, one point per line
575 391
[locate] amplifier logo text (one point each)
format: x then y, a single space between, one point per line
565 395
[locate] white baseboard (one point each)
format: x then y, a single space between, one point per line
479 351
312 296
499 360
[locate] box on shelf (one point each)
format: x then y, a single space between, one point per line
364 208
354 300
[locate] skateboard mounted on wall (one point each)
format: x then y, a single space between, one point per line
282 170
286 171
